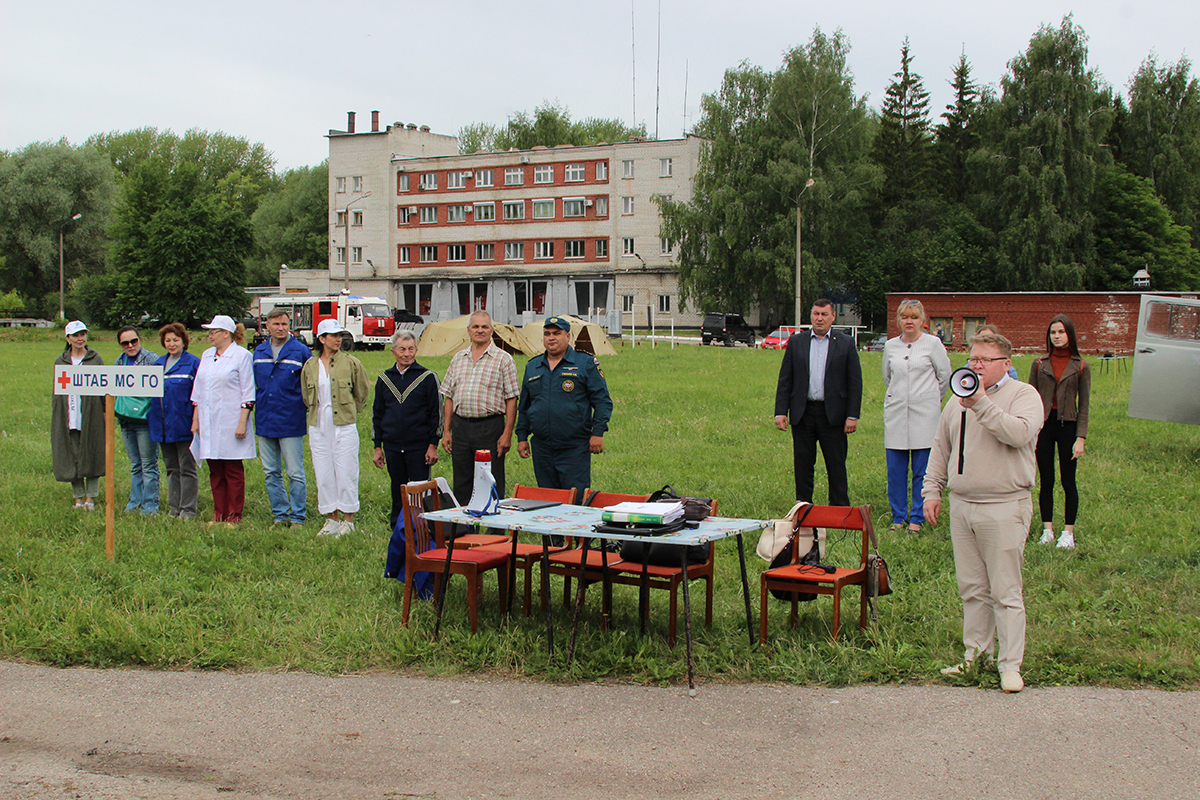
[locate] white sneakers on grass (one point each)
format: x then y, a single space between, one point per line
1011 682
1067 540
345 527
330 528
1047 536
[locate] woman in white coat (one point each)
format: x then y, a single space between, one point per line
916 371
222 428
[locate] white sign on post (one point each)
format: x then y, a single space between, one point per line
118 381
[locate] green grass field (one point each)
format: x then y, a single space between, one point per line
1122 609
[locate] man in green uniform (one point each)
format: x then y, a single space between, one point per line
565 406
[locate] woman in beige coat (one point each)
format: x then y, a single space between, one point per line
916 371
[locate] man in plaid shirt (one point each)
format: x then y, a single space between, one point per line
481 391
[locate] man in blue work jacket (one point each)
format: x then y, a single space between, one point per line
565 406
280 418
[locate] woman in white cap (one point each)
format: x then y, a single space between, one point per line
222 428
335 389
77 425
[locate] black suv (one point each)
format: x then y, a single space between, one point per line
727 329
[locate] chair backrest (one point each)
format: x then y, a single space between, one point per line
849 518
566 496
419 498
602 499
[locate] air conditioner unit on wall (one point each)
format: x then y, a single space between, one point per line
590 203
524 159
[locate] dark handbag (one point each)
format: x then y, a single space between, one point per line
663 555
879 582
694 508
811 558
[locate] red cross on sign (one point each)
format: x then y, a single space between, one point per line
63 380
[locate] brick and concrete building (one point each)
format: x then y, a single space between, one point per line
520 234
1105 322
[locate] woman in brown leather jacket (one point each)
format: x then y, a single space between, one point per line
1064 381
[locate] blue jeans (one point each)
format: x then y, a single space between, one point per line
897 472
290 505
143 467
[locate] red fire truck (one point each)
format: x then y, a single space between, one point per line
367 320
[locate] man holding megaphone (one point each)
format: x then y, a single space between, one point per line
984 454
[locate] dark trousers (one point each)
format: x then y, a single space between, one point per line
1061 434
228 481
562 467
403 466
813 428
470 435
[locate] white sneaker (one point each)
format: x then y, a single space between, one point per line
1067 540
1047 537
1011 682
330 528
957 669
346 527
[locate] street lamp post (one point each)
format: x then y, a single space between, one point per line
799 302
61 304
346 278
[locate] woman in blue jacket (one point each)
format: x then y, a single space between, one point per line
170 419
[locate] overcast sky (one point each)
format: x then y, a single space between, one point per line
284 73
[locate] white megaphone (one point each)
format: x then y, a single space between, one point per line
484 499
964 382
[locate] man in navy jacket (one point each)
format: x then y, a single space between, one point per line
820 387
280 419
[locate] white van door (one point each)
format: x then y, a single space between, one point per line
1166 361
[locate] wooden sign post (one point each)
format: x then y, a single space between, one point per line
112 382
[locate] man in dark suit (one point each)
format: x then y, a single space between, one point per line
820 387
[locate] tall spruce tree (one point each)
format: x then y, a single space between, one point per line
956 136
902 142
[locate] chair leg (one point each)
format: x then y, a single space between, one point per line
566 591
762 611
502 582
837 610
862 608
708 597
674 609
528 587
473 601
795 612
407 599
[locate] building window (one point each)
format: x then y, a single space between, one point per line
356 255
418 297
456 180
484 177
428 181
573 207
428 214
358 183
514 251
601 206
405 256
543 173
543 209
573 248
404 214
485 212
664 168
514 209
485 252
664 304
340 219
530 296
591 297
602 248
601 170
514 176
627 302
543 249
574 173
626 205
664 247
456 252
356 217
428 253
627 169
472 297
456 213
627 247
341 185
341 255
401 183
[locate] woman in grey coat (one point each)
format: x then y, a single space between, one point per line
916 371
77 425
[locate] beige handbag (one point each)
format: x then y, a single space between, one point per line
776 537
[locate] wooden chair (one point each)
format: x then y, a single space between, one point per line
525 555
809 579
470 540
629 573
426 552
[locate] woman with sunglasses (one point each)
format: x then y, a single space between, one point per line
135 430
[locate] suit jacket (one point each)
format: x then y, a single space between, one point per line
843 379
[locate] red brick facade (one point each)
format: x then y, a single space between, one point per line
1105 322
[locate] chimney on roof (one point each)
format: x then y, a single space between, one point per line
349 122
374 122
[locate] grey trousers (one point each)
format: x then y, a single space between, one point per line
183 486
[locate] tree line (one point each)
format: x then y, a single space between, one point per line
1050 181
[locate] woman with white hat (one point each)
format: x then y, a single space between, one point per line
222 427
334 386
77 425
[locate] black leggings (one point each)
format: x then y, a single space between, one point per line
1063 434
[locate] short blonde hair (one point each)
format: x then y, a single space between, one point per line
996 340
905 305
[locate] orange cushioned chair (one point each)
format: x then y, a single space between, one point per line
809 579
629 573
527 553
426 552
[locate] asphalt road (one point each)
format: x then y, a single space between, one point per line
99 734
